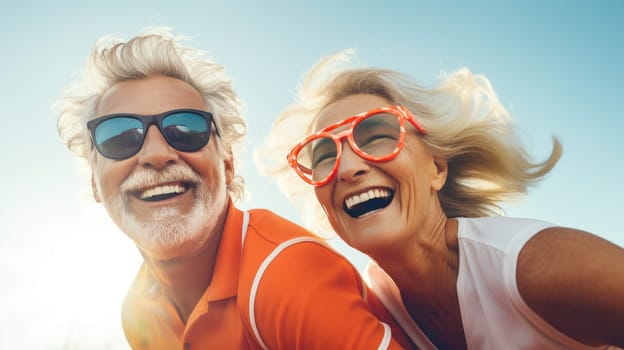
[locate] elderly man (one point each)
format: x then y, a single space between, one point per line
157 122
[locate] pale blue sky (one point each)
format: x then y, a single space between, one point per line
556 65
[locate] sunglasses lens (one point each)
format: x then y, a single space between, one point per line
119 137
317 158
378 135
186 131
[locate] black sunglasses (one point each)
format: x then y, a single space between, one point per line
121 135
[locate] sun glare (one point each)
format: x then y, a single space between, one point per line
82 279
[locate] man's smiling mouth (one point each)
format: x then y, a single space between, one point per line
162 192
368 201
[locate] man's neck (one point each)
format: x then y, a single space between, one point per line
183 280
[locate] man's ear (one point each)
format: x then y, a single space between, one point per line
96 195
228 162
439 179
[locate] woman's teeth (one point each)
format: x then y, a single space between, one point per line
365 196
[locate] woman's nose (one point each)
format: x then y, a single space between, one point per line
350 165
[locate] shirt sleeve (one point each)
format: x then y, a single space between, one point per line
310 297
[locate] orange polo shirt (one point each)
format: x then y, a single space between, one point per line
308 297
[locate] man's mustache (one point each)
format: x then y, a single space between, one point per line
147 177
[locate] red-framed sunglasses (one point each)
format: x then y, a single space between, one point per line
377 135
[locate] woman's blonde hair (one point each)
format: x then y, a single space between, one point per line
465 123
155 52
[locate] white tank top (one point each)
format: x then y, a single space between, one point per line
493 314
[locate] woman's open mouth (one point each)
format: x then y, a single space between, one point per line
368 201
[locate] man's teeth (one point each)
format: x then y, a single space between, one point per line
161 190
363 197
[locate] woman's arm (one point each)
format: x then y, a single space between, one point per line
575 281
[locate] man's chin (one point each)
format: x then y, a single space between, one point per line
164 233
162 216
164 247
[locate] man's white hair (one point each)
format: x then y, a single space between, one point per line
154 52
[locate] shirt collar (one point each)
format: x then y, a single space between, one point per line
224 283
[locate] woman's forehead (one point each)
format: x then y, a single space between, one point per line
347 107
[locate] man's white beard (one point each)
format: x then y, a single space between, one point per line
168 227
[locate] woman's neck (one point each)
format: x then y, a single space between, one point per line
430 254
425 271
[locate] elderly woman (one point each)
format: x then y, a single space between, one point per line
412 178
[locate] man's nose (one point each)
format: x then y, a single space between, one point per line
156 152
351 166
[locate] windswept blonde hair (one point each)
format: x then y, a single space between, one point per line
465 123
155 52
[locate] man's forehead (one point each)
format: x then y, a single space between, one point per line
149 96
